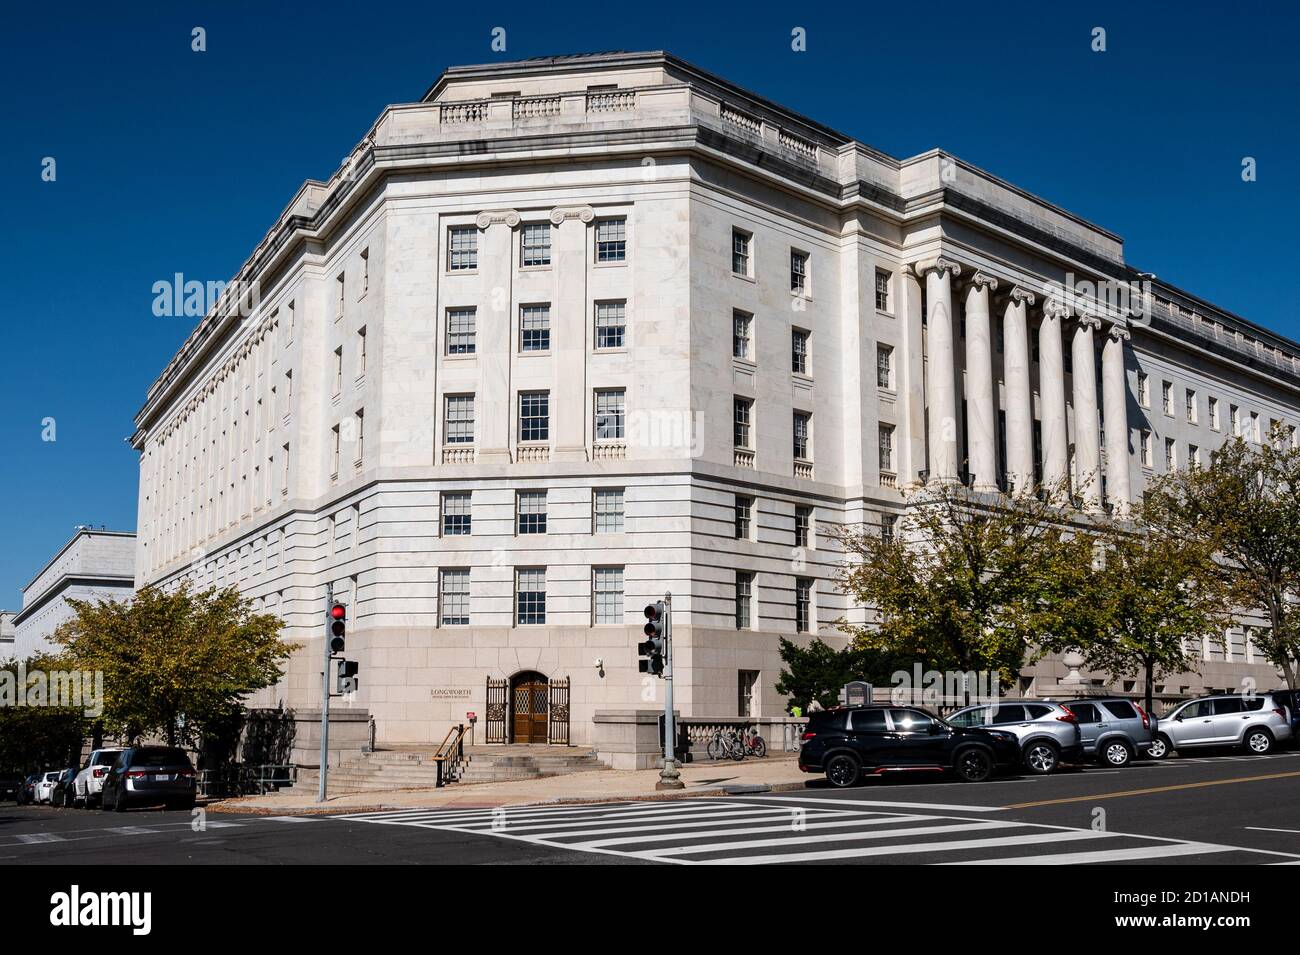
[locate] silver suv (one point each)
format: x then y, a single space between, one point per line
1114 729
1048 732
1257 723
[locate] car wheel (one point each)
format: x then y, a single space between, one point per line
1115 752
1041 758
843 770
973 765
1259 741
1161 747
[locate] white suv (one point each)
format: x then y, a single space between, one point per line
1256 723
89 783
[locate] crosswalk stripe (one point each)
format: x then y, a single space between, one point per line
291 818
884 804
750 830
35 838
521 812
1104 855
1037 838
644 817
132 831
826 837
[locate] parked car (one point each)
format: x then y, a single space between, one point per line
1256 723
1291 700
45 787
65 792
1114 730
144 775
27 792
847 742
90 780
10 787
1048 733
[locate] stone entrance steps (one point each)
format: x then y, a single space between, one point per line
416 769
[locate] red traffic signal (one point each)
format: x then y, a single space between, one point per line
339 612
338 627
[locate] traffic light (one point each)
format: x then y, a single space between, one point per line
338 627
345 676
655 646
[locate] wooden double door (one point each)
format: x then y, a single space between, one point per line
529 708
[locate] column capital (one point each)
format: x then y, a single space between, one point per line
1086 321
980 280
559 214
1019 295
936 264
1052 308
1119 333
507 216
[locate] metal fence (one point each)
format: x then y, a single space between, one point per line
244 780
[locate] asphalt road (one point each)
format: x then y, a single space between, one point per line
1213 810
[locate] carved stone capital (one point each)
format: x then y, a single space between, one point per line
585 213
982 280
1119 333
1020 296
507 216
938 264
1055 308
1089 322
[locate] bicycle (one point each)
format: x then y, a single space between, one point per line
724 744
752 744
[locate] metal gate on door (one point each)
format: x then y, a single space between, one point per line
531 711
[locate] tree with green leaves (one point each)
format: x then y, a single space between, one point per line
968 580
37 737
1150 599
174 661
819 671
1245 506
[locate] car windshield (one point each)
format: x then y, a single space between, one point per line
159 757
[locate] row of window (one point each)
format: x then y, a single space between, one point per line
743 429
609 419
804 532
742 264
531 512
745 597
610 330
1251 428
535 244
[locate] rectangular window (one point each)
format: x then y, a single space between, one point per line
334 451
611 240
535 244
744 517
888 522
607 595
741 324
457 517
338 370
799 351
746 693
360 416
1190 406
1234 419
885 366
608 509
365 271
1214 413
609 415
801 433
1144 390
885 439
531 512
1193 456
1167 397
340 298
798 272
611 324
454 597
530 596
535 328
740 263
1254 427
1145 440
882 290
462 248
742 419
460 330
459 428
361 351
802 605
1171 455
802 526
744 599
535 416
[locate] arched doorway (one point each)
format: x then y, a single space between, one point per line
529 699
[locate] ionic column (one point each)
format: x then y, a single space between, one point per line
1051 390
1019 397
981 430
1114 390
941 374
1087 433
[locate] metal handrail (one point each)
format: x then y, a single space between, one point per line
450 755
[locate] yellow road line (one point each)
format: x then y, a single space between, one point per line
1147 792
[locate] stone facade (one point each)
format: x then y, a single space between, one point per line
693 329
93 565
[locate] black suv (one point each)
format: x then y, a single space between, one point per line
846 742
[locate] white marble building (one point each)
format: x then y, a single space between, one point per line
572 332
94 565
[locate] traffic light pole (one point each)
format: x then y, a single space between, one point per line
325 696
669 777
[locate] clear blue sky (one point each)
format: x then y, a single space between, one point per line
174 161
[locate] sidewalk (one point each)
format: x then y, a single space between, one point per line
701 779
